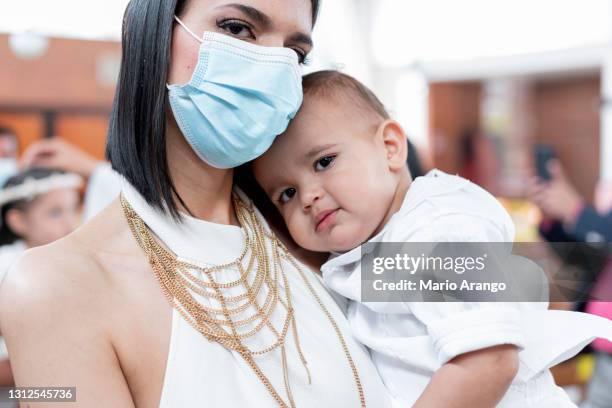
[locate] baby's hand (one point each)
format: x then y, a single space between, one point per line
478 379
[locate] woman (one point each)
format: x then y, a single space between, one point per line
247 326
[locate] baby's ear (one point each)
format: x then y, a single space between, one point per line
395 143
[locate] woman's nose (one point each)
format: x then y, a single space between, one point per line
271 40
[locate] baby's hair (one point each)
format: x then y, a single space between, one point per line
330 83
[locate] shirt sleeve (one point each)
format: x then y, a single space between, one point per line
461 327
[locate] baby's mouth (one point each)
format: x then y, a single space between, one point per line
324 219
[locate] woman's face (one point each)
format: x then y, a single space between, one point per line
47 218
271 23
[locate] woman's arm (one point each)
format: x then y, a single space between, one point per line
52 315
477 380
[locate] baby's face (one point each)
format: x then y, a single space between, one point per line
329 176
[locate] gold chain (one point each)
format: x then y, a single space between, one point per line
178 283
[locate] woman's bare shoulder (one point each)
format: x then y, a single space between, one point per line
68 273
57 312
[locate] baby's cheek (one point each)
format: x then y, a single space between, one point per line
297 230
349 234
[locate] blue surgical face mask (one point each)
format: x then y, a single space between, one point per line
240 97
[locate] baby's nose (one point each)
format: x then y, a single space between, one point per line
309 198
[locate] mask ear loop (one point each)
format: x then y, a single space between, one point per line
178 20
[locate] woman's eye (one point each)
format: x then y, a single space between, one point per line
302 57
287 195
324 162
237 28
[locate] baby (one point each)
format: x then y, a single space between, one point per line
339 178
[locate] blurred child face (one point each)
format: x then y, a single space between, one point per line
8 146
48 217
332 175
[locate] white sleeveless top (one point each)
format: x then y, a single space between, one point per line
203 373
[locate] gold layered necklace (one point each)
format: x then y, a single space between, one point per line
260 290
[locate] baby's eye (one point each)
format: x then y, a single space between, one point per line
237 28
287 195
324 162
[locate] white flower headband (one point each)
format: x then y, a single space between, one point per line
32 187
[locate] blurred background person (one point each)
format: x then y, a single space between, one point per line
568 217
103 184
37 207
561 202
478 159
9 149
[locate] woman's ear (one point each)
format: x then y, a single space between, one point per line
395 143
15 219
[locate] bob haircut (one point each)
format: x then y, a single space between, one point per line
136 144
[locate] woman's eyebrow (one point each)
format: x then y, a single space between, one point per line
266 22
301 38
263 20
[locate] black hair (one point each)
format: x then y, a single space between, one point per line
136 144
7 235
6 131
467 142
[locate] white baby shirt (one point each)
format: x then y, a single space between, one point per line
409 341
